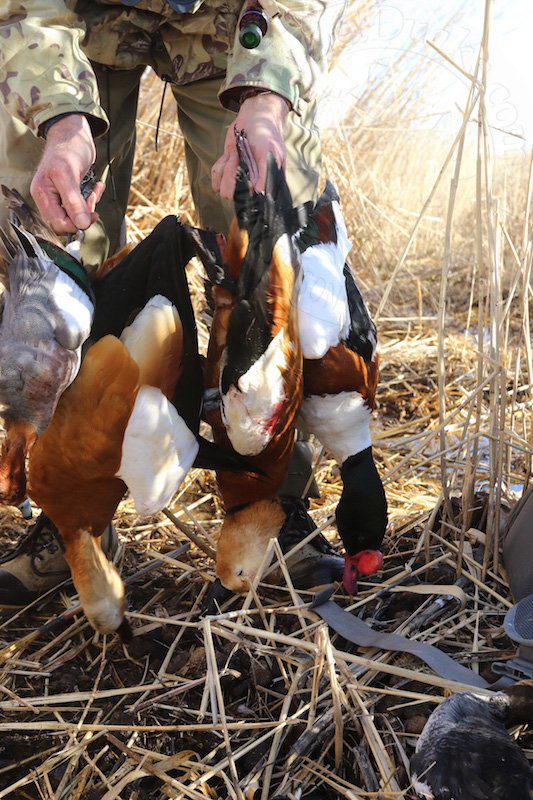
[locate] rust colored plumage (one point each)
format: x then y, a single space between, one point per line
111 262
73 464
72 472
342 370
19 438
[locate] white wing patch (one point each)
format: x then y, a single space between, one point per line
340 421
323 313
157 319
158 451
74 311
249 411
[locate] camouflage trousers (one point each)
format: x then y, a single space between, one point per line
203 123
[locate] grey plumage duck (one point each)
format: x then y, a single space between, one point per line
466 753
46 313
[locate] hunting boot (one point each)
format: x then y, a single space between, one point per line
38 563
312 565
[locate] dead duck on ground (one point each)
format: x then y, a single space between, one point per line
465 751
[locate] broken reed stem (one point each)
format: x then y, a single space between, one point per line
441 373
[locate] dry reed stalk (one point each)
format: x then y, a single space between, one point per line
476 333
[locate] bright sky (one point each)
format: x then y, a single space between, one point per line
456 26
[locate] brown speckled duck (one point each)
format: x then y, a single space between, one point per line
46 316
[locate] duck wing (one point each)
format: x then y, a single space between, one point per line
156 266
158 448
145 300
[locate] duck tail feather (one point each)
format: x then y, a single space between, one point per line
27 241
7 251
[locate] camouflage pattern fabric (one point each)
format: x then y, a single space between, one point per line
46 49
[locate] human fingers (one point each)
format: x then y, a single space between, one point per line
48 201
217 171
229 176
95 196
72 200
261 157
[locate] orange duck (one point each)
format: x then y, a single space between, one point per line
253 373
130 419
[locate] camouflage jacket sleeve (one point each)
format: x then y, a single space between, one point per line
292 58
43 71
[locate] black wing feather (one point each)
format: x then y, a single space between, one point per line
156 266
267 217
362 336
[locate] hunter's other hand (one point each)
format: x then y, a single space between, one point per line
68 155
262 118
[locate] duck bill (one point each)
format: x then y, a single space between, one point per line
18 441
349 576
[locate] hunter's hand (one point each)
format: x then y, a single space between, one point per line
262 118
68 155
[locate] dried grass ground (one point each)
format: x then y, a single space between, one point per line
262 701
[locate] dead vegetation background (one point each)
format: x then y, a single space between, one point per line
263 702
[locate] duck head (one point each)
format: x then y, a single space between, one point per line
520 709
243 541
99 586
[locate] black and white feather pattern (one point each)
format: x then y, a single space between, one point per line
331 308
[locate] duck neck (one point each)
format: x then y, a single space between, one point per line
96 579
520 703
361 513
